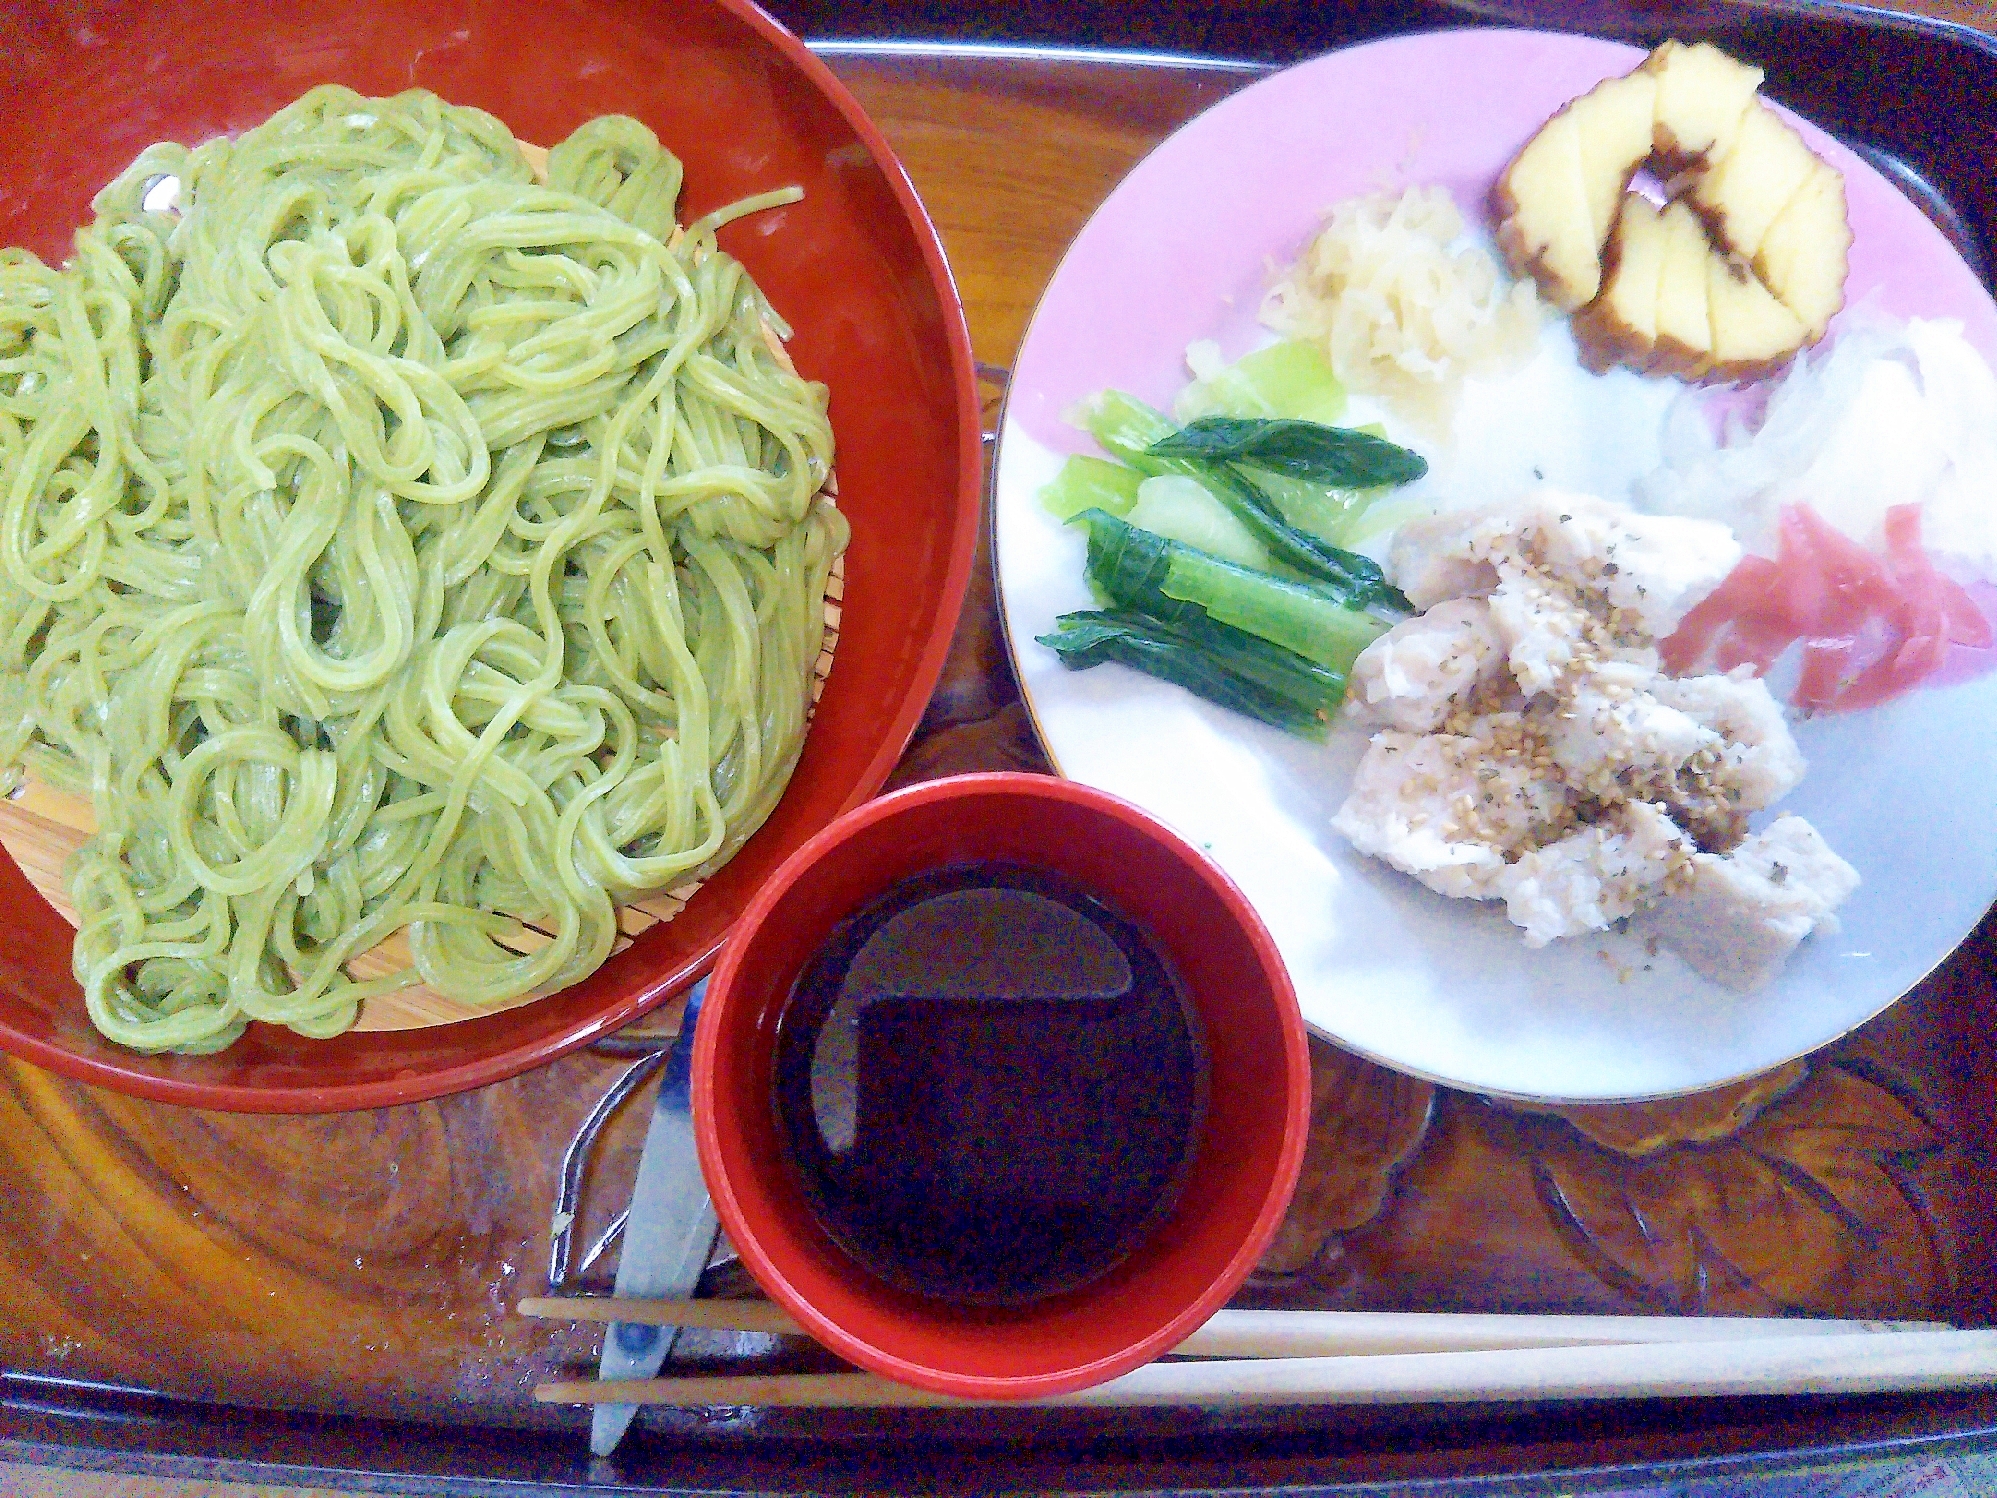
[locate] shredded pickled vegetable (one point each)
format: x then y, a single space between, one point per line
1400 312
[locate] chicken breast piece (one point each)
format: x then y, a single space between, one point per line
1445 807
1435 558
1418 672
1468 552
1545 628
1759 762
1615 737
1538 755
1738 917
1653 567
1595 875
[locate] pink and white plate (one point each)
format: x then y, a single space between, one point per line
1183 250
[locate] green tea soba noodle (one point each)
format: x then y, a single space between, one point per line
390 541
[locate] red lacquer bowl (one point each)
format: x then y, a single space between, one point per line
855 267
1244 1167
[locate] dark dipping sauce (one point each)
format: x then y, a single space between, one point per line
989 1084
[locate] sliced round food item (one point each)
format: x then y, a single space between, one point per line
1651 313
1753 332
1703 96
1557 201
1802 257
1742 266
1684 296
1673 303
1743 192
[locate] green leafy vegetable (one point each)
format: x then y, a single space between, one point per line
1297 616
1183 509
1223 665
1132 431
1217 545
1127 428
1128 567
1173 583
1334 516
1291 378
1336 457
1357 580
1091 484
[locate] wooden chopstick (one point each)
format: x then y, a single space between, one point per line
1861 1362
1296 1334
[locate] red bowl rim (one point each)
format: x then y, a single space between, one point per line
483 1070
856 1349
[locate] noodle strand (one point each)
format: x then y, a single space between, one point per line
390 542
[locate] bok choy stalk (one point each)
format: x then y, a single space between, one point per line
1086 483
1269 629
1174 583
1222 452
1213 661
1291 378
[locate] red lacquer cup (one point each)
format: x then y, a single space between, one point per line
1245 1162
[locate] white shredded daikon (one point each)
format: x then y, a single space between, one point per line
1888 413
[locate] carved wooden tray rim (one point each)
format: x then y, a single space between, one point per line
47 1418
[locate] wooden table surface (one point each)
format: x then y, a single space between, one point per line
367 1263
